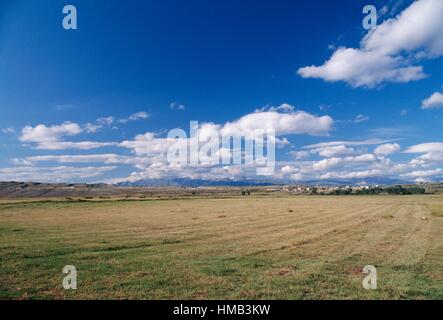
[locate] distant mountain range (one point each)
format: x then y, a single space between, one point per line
188 182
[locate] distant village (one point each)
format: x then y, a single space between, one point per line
351 190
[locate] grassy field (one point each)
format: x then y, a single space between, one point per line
303 247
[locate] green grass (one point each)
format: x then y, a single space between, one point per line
250 248
438 212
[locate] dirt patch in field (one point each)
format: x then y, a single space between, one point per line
284 271
354 270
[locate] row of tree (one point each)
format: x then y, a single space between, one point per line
399 190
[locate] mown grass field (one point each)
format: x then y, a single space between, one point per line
299 247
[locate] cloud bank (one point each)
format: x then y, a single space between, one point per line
389 53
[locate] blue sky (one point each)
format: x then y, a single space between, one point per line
140 68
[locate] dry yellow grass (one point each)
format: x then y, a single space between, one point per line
249 248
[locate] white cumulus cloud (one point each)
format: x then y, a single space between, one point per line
296 122
51 137
42 133
434 101
426 147
134 117
388 53
387 148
